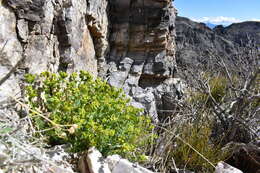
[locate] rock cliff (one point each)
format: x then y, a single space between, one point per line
130 43
142 49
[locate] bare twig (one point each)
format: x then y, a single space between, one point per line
175 167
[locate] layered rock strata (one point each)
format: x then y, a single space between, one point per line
142 50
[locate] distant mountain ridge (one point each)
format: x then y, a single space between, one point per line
241 33
196 40
210 25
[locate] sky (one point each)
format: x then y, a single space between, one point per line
219 11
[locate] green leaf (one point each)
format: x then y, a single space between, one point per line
5 130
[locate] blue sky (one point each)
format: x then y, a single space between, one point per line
219 11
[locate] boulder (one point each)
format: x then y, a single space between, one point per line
93 162
223 167
245 157
119 165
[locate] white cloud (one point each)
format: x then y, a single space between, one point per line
221 20
218 20
255 20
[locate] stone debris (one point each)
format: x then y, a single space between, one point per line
94 162
18 154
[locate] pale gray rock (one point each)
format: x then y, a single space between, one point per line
39 53
3 148
77 47
59 169
93 162
137 105
147 99
223 167
119 76
23 29
10 47
98 24
10 54
167 95
18 150
119 165
9 88
57 35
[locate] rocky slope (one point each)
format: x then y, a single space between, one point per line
197 43
200 51
241 33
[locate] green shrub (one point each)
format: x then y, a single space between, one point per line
86 112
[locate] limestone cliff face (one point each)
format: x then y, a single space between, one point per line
49 35
128 42
55 35
142 49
